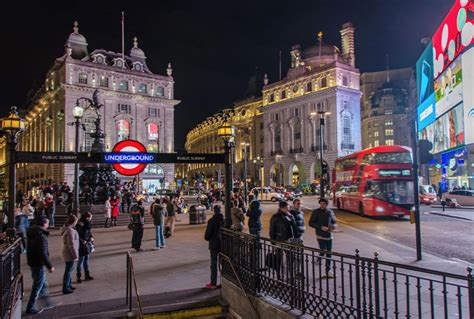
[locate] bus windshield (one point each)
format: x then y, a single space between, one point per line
387 158
395 192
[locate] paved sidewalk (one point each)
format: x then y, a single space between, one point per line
184 263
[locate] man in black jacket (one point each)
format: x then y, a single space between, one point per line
213 236
282 224
298 215
323 220
38 258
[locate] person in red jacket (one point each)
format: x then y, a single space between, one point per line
114 202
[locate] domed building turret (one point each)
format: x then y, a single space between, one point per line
77 42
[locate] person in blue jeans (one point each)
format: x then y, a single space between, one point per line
70 252
38 258
86 239
158 212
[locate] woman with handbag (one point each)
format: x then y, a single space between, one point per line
86 246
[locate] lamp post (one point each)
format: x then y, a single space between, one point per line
12 125
78 112
245 145
226 132
322 114
259 175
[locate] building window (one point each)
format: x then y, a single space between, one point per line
82 78
376 134
123 86
152 136
324 82
261 125
346 130
283 94
276 116
142 88
160 91
104 81
370 144
297 135
271 98
123 130
345 82
296 112
124 108
376 143
389 132
388 122
153 111
277 138
261 138
309 87
389 142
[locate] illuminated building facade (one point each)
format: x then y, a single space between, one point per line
321 77
137 104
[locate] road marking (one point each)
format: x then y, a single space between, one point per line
450 216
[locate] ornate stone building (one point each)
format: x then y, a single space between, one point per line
388 102
321 77
137 104
246 116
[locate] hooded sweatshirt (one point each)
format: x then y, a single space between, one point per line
254 215
37 252
70 250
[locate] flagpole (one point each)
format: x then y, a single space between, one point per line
123 35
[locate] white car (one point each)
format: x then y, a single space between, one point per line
193 196
267 193
463 197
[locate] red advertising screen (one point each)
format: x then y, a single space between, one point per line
453 35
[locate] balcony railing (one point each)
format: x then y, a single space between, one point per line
347 146
296 150
315 148
276 152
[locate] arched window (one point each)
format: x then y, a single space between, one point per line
123 130
152 137
346 119
277 138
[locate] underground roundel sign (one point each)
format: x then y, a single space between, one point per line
125 162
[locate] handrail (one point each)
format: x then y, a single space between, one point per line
240 283
17 282
131 277
360 258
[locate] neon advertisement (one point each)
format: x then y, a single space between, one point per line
426 112
424 74
448 88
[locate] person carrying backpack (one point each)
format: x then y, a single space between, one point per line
158 213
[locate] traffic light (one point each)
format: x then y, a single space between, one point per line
424 148
325 168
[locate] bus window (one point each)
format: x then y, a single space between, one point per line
387 158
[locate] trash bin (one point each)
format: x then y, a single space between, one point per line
202 214
197 215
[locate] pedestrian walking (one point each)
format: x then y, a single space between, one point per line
137 222
298 215
237 216
115 210
108 213
50 208
170 216
213 236
28 210
39 210
21 226
255 214
70 252
158 212
86 246
37 254
323 220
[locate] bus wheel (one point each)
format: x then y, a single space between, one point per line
338 204
361 210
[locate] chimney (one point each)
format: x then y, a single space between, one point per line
347 39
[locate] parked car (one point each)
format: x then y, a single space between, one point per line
427 194
193 196
268 193
166 192
463 197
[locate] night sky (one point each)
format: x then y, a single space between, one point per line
214 46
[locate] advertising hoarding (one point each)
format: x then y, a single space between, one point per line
426 112
468 94
453 35
424 74
448 88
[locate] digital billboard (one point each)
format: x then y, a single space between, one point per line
453 35
426 112
448 88
447 131
468 94
424 74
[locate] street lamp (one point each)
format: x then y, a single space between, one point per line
227 133
259 175
245 145
12 125
77 112
322 113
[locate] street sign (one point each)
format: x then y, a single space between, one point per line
126 162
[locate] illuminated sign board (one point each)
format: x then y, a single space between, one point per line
133 158
453 35
468 93
426 112
394 172
424 74
449 88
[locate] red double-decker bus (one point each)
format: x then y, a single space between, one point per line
377 181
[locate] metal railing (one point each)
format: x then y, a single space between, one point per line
344 286
11 281
131 287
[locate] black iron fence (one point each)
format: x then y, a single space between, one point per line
341 285
132 288
11 281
